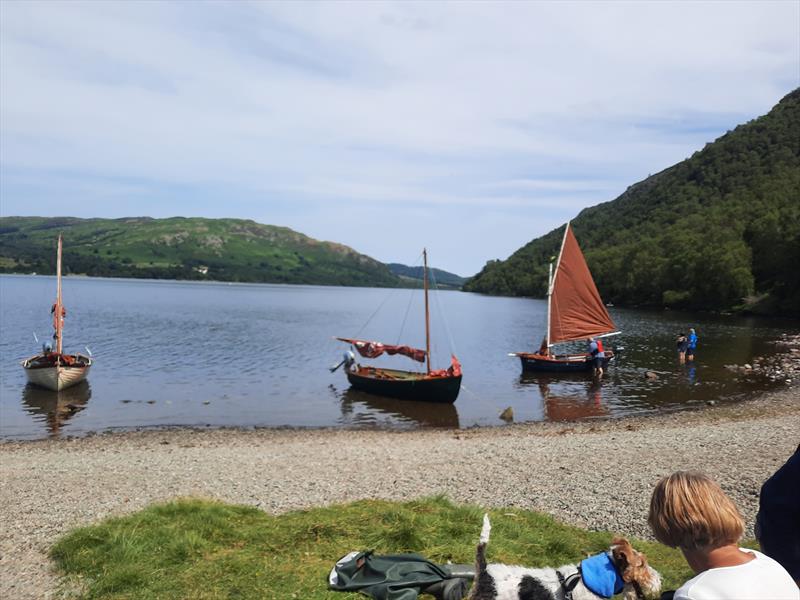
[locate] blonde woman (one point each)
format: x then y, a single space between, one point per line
691 512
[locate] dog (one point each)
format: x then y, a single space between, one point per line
621 569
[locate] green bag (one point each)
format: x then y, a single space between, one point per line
398 577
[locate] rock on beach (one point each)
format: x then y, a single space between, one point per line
597 475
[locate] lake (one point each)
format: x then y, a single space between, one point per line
171 353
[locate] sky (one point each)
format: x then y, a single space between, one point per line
470 128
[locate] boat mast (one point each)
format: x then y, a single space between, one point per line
59 321
427 314
549 293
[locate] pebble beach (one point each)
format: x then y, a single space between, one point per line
595 474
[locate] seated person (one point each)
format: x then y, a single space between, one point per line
689 511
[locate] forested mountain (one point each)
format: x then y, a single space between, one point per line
184 248
719 230
442 279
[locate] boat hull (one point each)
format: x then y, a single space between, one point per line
406 385
56 377
565 363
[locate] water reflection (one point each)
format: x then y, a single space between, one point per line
568 397
55 408
359 408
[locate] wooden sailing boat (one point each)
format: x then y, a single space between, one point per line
56 370
440 386
575 312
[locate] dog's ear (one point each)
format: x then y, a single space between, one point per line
632 566
626 558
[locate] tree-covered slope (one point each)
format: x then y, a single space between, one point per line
718 230
442 279
184 248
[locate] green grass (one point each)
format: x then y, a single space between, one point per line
202 549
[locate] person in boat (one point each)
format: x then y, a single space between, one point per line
682 343
597 355
691 345
543 349
689 511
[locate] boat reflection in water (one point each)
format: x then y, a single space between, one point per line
568 399
363 409
55 408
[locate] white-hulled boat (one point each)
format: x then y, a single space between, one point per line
56 370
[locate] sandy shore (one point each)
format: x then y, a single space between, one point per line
597 474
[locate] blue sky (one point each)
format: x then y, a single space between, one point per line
469 128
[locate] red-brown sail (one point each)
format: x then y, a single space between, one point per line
576 309
369 349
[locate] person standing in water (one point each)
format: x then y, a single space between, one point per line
682 343
692 345
597 356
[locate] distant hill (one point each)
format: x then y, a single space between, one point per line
717 231
184 248
443 279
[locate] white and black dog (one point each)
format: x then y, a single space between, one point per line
621 569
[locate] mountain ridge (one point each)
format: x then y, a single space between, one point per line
185 248
717 231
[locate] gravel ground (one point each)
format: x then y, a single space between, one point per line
597 475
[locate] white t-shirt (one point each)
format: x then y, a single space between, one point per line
760 579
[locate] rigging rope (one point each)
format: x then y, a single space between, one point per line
442 317
482 400
408 308
377 310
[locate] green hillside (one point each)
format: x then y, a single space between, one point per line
184 248
442 279
717 231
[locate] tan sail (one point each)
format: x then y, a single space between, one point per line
576 309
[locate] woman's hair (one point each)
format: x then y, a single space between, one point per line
689 510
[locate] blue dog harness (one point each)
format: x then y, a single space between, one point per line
600 575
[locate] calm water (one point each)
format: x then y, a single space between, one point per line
200 354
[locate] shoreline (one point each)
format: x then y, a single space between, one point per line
771 400
596 474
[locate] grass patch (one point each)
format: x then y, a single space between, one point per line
206 550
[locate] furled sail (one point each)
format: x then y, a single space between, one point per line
375 349
576 309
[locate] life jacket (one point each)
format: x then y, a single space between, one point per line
600 346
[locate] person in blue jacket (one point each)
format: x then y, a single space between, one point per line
692 345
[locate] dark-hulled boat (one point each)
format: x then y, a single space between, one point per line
440 386
575 312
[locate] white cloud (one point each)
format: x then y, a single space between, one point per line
487 121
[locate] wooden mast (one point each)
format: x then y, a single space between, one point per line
58 310
427 314
549 294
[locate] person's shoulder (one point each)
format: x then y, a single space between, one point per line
685 591
764 562
770 571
